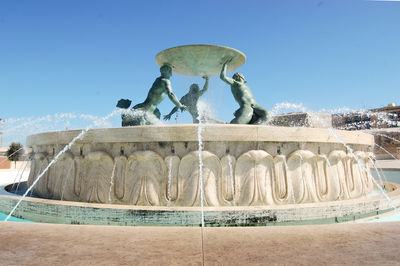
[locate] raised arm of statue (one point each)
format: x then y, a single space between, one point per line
205 87
223 74
173 97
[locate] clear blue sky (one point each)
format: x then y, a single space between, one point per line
81 57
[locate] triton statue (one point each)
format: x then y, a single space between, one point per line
249 111
190 100
147 113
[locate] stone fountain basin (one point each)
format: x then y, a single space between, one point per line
252 175
243 165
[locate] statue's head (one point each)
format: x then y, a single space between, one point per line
194 88
239 77
166 71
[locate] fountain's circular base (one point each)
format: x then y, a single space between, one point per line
67 212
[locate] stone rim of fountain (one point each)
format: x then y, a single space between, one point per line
211 132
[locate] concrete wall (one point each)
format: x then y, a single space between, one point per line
7 164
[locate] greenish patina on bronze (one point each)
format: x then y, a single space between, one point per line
203 60
147 113
249 111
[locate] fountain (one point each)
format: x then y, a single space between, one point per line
248 174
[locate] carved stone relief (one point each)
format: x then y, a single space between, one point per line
254 178
145 179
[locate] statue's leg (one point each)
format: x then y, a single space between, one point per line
194 114
243 115
260 114
157 113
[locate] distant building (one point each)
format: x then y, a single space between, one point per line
385 117
303 120
4 162
3 151
383 123
387 143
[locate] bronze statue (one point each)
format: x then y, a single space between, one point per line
249 111
147 113
190 100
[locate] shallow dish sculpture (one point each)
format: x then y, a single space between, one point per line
200 59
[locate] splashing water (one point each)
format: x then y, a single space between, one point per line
231 175
386 136
200 140
382 148
199 131
59 121
377 171
66 148
137 114
348 148
364 168
20 177
277 109
111 182
207 114
169 180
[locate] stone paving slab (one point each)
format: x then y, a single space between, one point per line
340 244
7 176
388 164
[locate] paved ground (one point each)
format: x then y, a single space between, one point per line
8 176
388 164
340 244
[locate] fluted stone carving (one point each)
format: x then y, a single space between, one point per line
228 163
94 177
38 164
281 183
62 181
119 177
172 163
145 179
189 180
301 165
255 177
326 182
253 174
